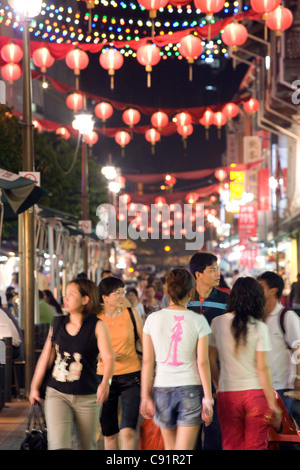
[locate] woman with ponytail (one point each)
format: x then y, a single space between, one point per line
240 341
175 345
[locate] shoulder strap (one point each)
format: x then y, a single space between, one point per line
281 324
281 319
133 322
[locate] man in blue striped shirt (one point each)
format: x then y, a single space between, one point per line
211 302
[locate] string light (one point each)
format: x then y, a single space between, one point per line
60 23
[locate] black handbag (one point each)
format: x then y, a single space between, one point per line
36 431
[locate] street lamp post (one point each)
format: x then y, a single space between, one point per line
83 122
28 9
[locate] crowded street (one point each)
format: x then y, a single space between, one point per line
149 227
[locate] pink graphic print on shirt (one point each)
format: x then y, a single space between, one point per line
175 339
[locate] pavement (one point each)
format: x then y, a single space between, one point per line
13 423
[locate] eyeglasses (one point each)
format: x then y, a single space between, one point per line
119 292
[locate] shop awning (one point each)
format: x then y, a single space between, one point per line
19 192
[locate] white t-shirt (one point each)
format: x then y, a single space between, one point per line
238 370
8 329
283 369
174 335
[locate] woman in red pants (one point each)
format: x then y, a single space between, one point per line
240 340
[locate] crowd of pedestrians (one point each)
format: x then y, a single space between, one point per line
212 356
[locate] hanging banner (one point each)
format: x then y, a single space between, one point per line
264 190
252 152
232 148
247 223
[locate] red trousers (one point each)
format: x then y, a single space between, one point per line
242 417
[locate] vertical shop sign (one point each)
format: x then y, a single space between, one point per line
247 223
252 153
264 190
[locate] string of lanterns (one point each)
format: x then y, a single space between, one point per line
233 34
61 18
161 123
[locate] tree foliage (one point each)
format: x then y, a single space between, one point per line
59 163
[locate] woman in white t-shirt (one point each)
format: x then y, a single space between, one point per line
175 344
240 340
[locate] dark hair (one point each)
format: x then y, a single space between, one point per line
51 300
133 289
108 285
200 261
89 288
82 275
273 280
247 301
178 284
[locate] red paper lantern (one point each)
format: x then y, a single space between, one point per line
209 6
191 48
191 198
77 60
75 101
279 19
220 119
231 110
207 118
264 6
122 138
159 120
131 117
153 5
152 136
234 34
220 174
111 60
126 198
104 110
11 52
182 119
251 106
91 138
148 55
159 201
42 58
185 130
11 72
63 132
170 180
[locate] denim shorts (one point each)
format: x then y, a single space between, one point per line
177 406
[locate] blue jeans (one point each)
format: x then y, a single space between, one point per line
177 406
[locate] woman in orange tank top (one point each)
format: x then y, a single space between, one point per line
125 384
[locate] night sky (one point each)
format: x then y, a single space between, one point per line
170 87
